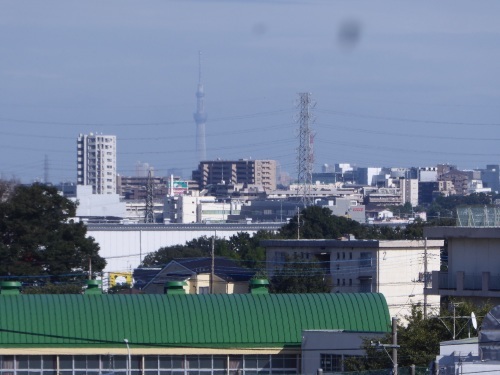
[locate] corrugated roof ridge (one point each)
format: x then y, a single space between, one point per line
186 320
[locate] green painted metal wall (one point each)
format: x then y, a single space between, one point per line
216 321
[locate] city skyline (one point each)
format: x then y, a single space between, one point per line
394 84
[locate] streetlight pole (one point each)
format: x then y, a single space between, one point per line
129 361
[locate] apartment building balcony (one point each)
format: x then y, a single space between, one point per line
462 284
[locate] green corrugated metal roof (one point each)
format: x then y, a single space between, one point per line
215 321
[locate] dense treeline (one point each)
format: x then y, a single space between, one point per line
39 243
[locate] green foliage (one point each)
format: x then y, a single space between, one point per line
37 236
419 340
241 246
50 288
300 276
445 207
318 223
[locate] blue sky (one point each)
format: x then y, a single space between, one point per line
414 83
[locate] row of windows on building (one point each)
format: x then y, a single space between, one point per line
334 362
276 364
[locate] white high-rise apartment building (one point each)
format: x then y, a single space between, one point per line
96 162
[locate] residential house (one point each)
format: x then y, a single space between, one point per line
229 277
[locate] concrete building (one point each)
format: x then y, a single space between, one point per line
409 191
459 179
491 177
393 268
427 174
195 209
345 207
475 355
135 187
251 172
385 197
96 162
476 187
97 205
473 267
365 175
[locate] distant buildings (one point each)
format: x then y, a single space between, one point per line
245 171
96 162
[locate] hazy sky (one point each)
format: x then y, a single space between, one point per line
396 83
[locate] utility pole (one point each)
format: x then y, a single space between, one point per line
425 278
212 268
298 223
395 345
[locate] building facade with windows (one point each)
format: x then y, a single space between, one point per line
250 172
96 162
400 269
174 334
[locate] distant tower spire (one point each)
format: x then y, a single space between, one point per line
46 170
200 117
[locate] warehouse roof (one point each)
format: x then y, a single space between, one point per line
210 321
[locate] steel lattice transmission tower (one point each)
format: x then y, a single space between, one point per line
149 216
305 152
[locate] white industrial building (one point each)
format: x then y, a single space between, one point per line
125 245
401 269
96 162
97 205
188 209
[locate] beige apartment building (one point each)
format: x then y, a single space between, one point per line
245 171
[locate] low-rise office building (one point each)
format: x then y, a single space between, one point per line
400 269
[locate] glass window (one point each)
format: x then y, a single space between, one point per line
66 362
177 361
49 362
151 362
192 362
219 362
331 362
120 362
365 259
80 361
205 361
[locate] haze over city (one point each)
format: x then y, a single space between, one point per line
396 84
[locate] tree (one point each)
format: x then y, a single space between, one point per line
39 242
419 340
50 288
300 276
318 223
